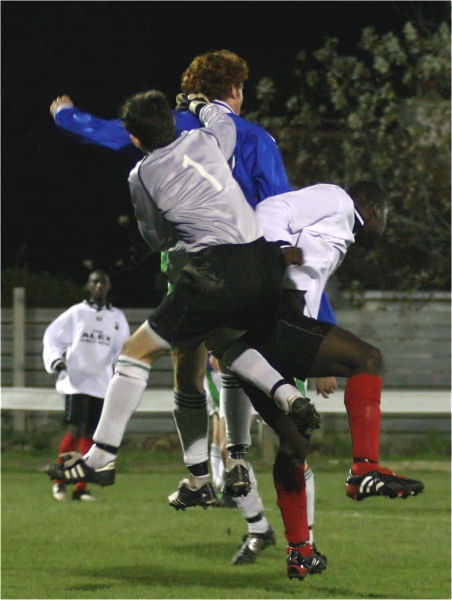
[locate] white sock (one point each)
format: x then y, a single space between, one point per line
310 497
96 458
252 506
217 466
192 422
237 411
123 395
251 366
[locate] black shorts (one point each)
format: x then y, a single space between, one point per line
291 348
230 286
82 409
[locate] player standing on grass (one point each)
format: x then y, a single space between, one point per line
323 221
82 345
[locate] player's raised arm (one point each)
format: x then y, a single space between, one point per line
87 128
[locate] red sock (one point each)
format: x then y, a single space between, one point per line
362 401
291 490
68 444
85 445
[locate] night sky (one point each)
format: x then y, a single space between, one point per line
61 199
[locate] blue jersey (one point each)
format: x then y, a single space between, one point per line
257 165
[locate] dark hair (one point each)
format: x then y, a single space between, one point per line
214 74
148 116
368 192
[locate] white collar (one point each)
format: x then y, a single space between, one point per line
224 106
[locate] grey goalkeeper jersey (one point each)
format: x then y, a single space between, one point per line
185 190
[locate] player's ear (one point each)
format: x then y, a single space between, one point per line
135 141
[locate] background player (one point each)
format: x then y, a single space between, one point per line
82 345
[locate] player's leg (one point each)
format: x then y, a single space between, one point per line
236 408
212 385
250 365
91 415
189 414
122 398
239 414
260 533
69 443
290 485
343 354
216 458
309 478
191 418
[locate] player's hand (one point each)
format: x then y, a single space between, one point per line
293 255
190 102
60 102
326 386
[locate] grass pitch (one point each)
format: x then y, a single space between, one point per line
131 544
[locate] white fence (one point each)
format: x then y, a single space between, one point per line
159 401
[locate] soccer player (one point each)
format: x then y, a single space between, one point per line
324 220
183 189
81 345
258 168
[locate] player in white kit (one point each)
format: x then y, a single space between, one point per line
82 345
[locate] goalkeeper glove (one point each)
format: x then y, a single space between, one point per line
191 102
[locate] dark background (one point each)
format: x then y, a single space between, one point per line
61 199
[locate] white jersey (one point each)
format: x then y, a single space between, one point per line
318 219
89 341
185 190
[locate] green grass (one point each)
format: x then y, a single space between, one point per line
130 544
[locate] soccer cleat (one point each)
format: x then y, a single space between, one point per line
59 492
304 560
252 545
225 501
382 482
303 414
186 496
236 478
75 470
84 495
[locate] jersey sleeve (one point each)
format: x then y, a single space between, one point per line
109 133
57 339
219 124
275 217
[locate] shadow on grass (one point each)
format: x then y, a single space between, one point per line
152 576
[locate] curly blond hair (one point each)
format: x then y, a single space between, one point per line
214 74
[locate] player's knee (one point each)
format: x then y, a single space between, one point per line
371 361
